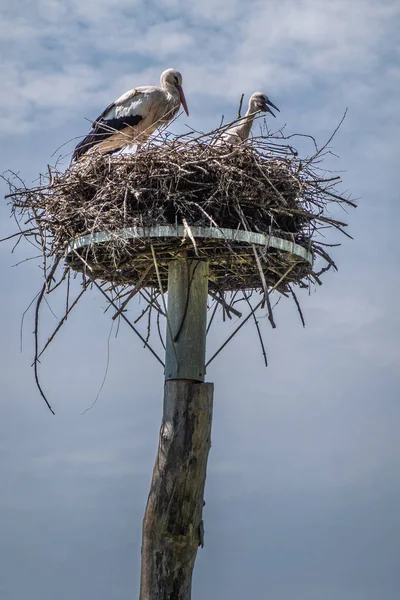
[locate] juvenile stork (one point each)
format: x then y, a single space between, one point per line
135 116
238 134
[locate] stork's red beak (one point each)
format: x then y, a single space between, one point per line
183 99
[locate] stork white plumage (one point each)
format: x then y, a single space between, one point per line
135 116
259 102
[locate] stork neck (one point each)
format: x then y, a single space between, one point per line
247 122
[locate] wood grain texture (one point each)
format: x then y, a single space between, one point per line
187 319
172 525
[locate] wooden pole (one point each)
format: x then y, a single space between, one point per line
187 320
172 524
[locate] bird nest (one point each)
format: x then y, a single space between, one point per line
258 213
254 212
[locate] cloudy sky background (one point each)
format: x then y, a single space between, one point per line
303 483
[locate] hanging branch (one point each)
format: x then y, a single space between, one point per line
69 309
36 331
265 288
164 303
258 331
297 305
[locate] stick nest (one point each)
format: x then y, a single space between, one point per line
260 187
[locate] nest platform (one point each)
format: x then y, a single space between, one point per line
126 256
255 212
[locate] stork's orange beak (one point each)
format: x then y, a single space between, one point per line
183 99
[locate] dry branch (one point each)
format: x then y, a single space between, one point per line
263 187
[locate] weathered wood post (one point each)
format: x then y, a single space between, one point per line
172 524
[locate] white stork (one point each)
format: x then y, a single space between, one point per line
238 134
135 116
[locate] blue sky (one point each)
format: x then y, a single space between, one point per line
303 486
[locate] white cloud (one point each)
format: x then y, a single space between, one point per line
163 38
62 54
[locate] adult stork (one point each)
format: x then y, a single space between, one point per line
135 116
238 134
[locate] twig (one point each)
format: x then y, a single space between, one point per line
258 332
265 287
212 317
164 304
249 315
240 107
19 233
135 290
225 305
36 331
23 317
64 318
105 372
129 323
234 333
297 304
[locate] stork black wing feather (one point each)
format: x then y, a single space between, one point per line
103 129
103 114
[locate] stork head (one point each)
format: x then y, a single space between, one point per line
173 79
261 102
